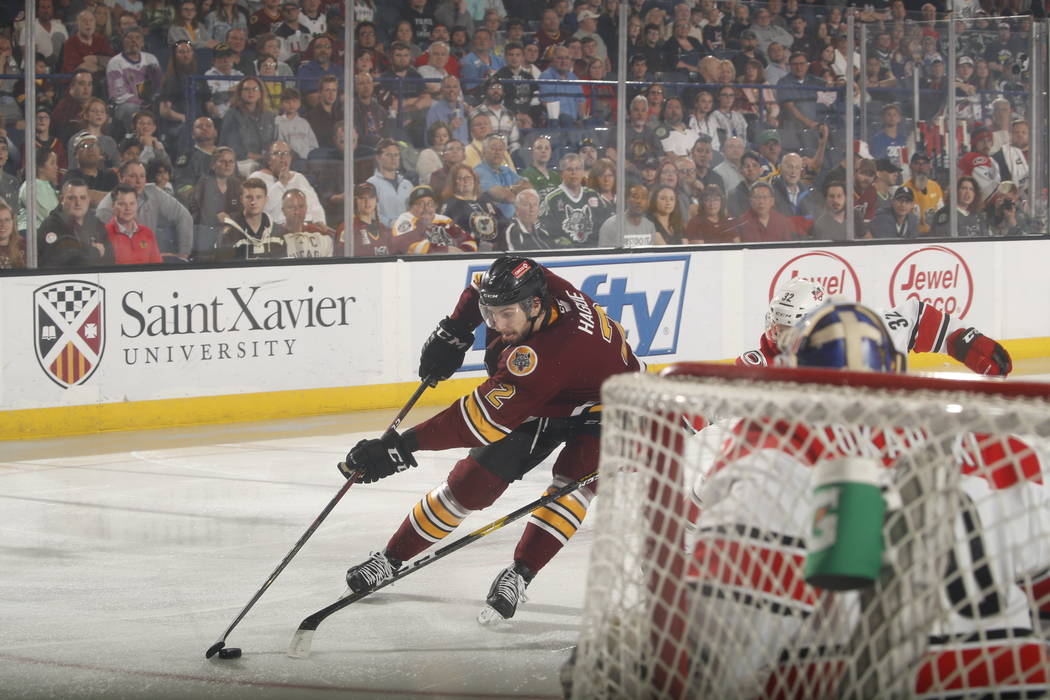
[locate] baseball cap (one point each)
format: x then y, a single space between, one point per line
980 131
365 188
419 192
585 142
586 14
919 156
904 193
767 136
964 60
887 166
222 49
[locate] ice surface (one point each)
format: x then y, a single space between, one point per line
124 557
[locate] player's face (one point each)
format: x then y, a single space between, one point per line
509 321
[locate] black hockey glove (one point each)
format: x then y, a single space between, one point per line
444 350
375 459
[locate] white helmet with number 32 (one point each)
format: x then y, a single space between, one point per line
791 302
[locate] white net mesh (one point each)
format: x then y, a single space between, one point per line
696 586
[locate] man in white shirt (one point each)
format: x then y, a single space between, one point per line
279 178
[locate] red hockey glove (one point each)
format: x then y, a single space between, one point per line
979 352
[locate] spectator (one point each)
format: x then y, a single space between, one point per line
371 237
132 77
1012 158
248 127
564 101
450 109
550 33
320 65
569 211
831 224
71 236
600 99
468 209
477 66
928 195
497 179
758 102
501 119
249 234
480 128
641 140
761 222
637 230
797 94
302 239
729 168
1002 115
216 196
329 110
293 129
750 171
190 168
46 198
452 156
679 139
682 52
543 178
887 175
265 19
436 66
267 69
777 67
766 31
170 222
279 178
144 130
702 153
87 49
268 46
366 44
131 242
421 230
748 52
404 34
420 18
602 179
221 89
243 55
172 103
92 171
1004 214
967 101
520 93
897 220
12 252
666 216
429 161
8 183
392 189
711 223
67 112
95 117
791 197
45 140
890 142
50 33
730 121
405 94
226 16
525 231
325 168
969 222
189 26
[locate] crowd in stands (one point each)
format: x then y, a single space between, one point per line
199 130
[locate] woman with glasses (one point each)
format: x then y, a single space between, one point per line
188 27
468 209
429 161
248 127
730 120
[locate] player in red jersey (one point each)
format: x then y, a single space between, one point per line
914 326
549 349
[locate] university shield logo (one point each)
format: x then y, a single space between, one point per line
70 330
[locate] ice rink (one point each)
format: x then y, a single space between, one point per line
125 556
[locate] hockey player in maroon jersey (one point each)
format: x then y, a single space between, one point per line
549 348
914 326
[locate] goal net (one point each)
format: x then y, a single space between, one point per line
798 533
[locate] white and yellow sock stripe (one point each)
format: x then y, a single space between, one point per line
437 514
563 517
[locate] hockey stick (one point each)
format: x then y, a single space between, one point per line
218 646
303 637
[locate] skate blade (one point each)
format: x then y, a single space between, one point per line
302 640
488 617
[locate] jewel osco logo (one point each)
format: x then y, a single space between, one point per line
69 330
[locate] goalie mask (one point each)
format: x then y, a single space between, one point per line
841 335
791 302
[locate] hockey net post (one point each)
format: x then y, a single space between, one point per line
695 583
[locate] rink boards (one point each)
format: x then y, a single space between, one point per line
82 353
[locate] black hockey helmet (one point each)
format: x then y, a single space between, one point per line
512 279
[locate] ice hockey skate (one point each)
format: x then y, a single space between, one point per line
504 595
372 572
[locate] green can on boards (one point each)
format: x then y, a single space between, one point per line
844 544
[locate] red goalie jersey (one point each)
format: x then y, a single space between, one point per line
556 373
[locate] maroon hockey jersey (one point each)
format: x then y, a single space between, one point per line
556 373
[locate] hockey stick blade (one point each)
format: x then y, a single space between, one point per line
302 639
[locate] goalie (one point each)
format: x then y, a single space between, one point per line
913 326
777 636
549 348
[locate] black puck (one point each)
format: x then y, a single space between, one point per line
230 653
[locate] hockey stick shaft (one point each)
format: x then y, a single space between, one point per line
303 637
214 648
